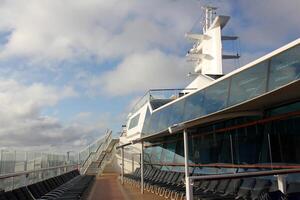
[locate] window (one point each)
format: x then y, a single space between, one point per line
134 121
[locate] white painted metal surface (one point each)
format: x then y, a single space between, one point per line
188 186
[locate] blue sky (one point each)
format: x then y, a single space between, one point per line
69 70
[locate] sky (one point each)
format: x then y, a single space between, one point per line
70 70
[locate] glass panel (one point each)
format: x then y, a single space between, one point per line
285 67
134 121
176 115
145 130
285 139
250 145
249 83
216 97
213 148
156 154
285 109
179 152
163 122
194 106
153 125
168 152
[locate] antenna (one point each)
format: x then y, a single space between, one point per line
210 13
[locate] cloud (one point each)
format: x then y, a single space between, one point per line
266 25
21 122
145 37
141 71
64 29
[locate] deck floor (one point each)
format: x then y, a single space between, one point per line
109 187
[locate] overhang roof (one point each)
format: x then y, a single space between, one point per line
253 107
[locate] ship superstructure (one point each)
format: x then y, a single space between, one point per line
221 126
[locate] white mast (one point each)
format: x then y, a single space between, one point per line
206 52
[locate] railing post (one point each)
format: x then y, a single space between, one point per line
142 168
122 171
25 162
1 162
132 163
188 186
281 181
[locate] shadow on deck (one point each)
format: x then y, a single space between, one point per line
107 186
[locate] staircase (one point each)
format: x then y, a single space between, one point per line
97 161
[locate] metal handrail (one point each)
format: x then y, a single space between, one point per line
10 175
95 155
245 174
91 153
136 106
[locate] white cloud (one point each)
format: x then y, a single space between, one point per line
142 71
64 29
19 100
21 122
146 36
267 24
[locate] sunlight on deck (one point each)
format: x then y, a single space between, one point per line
109 187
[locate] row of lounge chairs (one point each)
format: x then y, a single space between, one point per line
170 184
69 186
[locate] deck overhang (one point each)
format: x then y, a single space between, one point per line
254 107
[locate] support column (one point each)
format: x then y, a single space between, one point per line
122 171
281 181
188 186
142 168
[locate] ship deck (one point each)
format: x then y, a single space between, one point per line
107 186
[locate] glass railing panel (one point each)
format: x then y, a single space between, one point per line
20 161
165 115
194 106
155 155
7 161
248 84
153 125
147 122
216 96
168 153
285 68
281 69
176 115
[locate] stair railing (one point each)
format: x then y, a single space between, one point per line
94 155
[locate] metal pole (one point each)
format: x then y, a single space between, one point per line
1 162
122 171
270 151
132 160
25 162
188 186
281 181
231 149
142 168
